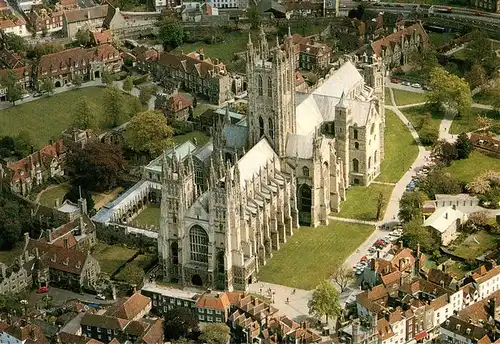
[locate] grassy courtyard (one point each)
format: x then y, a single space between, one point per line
468 123
400 149
312 254
361 202
476 244
439 39
201 138
48 196
111 257
150 216
406 97
142 261
46 118
477 163
418 115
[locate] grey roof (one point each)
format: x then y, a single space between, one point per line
257 157
181 151
203 153
235 116
299 146
442 218
270 5
236 136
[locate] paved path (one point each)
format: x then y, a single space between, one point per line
346 219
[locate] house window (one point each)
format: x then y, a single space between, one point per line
209 318
209 311
260 85
199 244
201 317
375 157
305 171
369 162
372 129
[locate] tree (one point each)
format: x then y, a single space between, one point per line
134 274
97 166
15 42
483 121
449 91
171 33
180 322
14 91
107 78
23 143
254 18
480 51
74 194
84 37
439 182
84 115
494 94
217 333
14 219
47 86
476 76
342 276
128 84
380 204
446 151
414 234
476 221
145 94
324 301
464 146
77 80
424 60
134 107
182 340
148 132
411 205
114 107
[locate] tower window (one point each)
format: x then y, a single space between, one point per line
305 171
356 145
269 87
260 85
198 240
271 129
355 134
174 248
261 127
355 165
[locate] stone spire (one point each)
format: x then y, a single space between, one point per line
264 48
343 101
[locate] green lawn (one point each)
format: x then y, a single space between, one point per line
143 261
406 98
468 123
49 196
312 254
200 137
46 118
111 257
477 163
400 149
483 97
471 249
150 216
361 202
416 115
439 39
388 98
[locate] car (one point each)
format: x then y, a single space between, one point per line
100 297
26 95
395 81
416 85
37 94
405 83
44 289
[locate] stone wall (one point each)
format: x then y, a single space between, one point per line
119 234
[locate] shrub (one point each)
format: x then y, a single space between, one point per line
141 79
182 127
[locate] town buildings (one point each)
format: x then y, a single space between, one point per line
289 161
21 332
178 107
309 54
444 224
487 5
13 24
46 20
84 19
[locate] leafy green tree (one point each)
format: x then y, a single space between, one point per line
254 17
84 37
134 107
77 80
84 115
128 84
411 205
14 219
148 132
180 322
217 333
480 51
182 340
47 86
464 146
449 91
23 143
97 166
134 274
14 91
114 107
494 94
145 94
415 234
424 60
15 42
324 301
107 78
439 182
171 33
342 276
476 76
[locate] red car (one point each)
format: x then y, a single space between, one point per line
43 289
395 81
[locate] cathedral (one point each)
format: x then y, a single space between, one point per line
288 162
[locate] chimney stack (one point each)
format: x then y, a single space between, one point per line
446 215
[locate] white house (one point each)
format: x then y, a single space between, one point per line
444 223
486 281
16 26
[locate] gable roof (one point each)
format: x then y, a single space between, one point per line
396 37
442 218
214 301
193 63
177 102
130 307
27 333
258 156
102 37
85 14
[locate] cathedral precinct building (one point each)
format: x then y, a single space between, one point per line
228 205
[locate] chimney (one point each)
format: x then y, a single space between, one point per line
443 267
50 142
202 54
446 215
88 14
66 243
401 244
4 269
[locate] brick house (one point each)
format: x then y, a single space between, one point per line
23 332
310 54
90 63
37 167
46 20
102 37
197 74
178 106
84 19
213 307
13 24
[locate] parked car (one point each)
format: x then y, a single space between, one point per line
416 85
395 81
26 95
37 94
44 289
405 83
100 297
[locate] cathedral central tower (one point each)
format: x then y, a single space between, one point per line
271 88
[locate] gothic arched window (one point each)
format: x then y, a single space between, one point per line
305 171
355 165
355 134
372 129
271 129
369 162
260 85
261 127
356 145
220 261
174 248
305 198
198 240
269 87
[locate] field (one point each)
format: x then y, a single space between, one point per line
477 163
201 138
416 115
400 149
361 202
148 217
111 257
49 196
468 123
476 245
143 261
406 97
46 118
312 254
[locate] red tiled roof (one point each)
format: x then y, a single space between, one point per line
192 63
10 23
59 258
130 308
178 102
214 301
481 275
395 38
384 330
27 333
102 37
